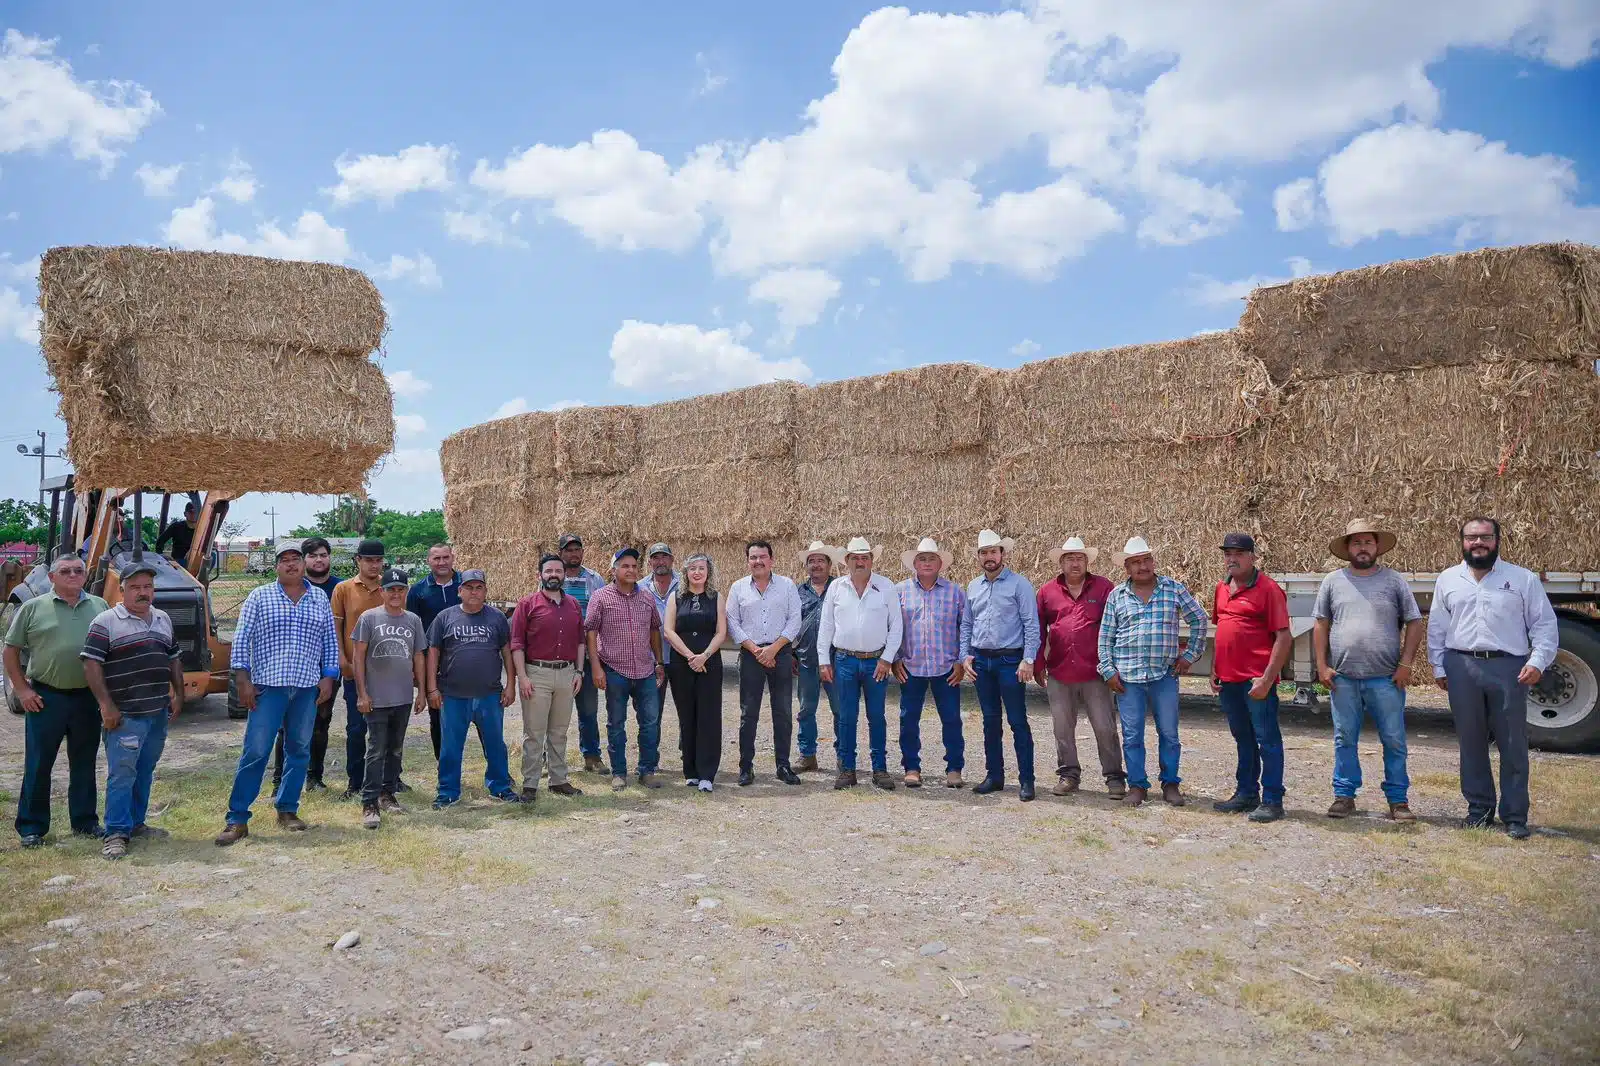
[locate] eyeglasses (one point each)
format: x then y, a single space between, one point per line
1477 538
71 571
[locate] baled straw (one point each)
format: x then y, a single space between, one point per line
925 411
511 451
892 497
95 298
597 440
715 499
753 423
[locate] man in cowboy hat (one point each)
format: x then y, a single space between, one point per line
857 642
1067 668
1491 636
817 560
1141 661
930 658
1366 632
1252 644
999 641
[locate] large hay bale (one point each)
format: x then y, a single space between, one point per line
95 298
714 500
925 411
603 509
892 497
1539 303
224 415
597 440
480 512
1200 387
753 423
512 450
511 567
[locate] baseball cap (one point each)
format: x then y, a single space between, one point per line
623 552
393 577
372 549
567 540
474 575
1242 542
140 567
294 545
658 548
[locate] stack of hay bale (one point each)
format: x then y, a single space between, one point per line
207 370
500 500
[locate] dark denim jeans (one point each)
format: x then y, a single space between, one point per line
69 715
293 710
587 705
132 751
646 708
998 688
947 701
1254 724
852 679
1353 698
486 715
355 737
812 688
1160 699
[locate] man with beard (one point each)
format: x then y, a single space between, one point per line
579 582
547 652
1491 635
1365 635
319 575
663 586
999 641
441 588
818 559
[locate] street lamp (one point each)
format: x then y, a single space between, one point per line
39 450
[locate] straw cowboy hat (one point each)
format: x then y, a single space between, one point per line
1338 546
859 546
1135 547
816 547
1075 544
927 544
988 538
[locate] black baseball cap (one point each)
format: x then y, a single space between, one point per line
623 553
567 540
393 577
372 549
1239 542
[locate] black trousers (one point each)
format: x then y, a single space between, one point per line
433 731
698 699
386 738
1486 697
779 683
73 717
319 746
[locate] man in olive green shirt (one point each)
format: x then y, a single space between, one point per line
50 630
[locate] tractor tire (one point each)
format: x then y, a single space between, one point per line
235 710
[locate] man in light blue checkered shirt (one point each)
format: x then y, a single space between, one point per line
1141 661
285 661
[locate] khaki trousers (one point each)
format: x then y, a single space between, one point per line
1093 698
545 719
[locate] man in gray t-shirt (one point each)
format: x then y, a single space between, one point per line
1366 633
388 646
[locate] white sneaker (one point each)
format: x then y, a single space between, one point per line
692 782
705 786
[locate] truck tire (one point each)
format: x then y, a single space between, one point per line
1564 707
235 711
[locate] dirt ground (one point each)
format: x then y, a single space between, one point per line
775 924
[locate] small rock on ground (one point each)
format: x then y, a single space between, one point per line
59 881
66 924
938 947
83 996
468 1032
1012 1042
348 941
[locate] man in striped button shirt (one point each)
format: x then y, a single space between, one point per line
1141 662
930 659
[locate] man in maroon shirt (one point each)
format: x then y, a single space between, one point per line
1068 667
1252 644
547 651
623 628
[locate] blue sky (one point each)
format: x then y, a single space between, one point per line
562 207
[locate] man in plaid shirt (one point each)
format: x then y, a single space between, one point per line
285 660
930 659
1141 661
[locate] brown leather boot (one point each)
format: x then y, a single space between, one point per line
1401 812
1064 786
1136 796
290 822
953 780
807 765
1170 793
232 833
1343 807
846 779
593 765
913 778
1116 787
883 779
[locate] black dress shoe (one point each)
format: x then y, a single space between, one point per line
401 787
33 840
989 785
747 777
1267 812
1478 820
1238 803
1025 791
788 776
96 831
313 784
1517 831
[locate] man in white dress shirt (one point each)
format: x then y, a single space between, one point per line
857 643
1491 634
764 620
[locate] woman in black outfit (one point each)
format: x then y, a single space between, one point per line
696 626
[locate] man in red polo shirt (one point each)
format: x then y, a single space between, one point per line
547 650
1252 644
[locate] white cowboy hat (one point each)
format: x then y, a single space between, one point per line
1135 547
859 546
988 538
927 545
1075 544
816 547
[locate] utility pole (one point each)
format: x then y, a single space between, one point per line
43 452
41 467
273 514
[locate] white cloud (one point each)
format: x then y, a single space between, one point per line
1024 348
686 358
1213 293
240 183
478 227
709 82
420 269
26 271
195 227
410 479
385 178
406 385
410 425
42 104
1295 204
1411 180
158 181
800 294
19 320
515 406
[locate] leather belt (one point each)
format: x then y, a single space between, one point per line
1481 654
552 664
860 654
997 651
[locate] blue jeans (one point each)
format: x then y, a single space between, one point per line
455 717
355 737
852 678
72 716
947 701
1254 724
1161 700
587 703
294 710
1380 697
998 687
132 750
646 708
811 688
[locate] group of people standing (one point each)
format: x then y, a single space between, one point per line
1110 652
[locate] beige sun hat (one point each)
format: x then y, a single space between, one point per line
1135 547
816 547
860 546
1339 546
1075 544
927 544
988 538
